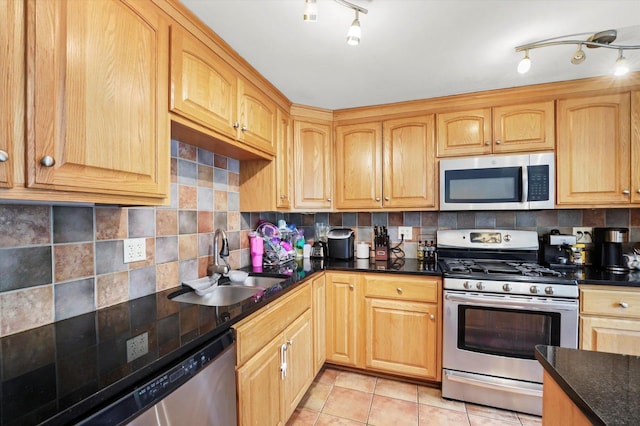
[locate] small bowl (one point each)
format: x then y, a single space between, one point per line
238 276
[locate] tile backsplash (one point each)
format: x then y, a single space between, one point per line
60 261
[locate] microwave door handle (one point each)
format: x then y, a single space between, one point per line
525 184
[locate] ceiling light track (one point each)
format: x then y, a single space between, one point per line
354 34
599 39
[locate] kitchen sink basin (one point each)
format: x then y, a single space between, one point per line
223 295
259 281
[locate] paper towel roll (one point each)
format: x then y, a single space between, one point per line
362 250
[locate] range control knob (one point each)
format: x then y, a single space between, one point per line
506 287
548 290
533 289
467 285
506 237
480 286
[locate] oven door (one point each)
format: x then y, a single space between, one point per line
496 334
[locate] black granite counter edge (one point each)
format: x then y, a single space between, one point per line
566 387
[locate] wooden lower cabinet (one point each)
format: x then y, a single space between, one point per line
319 323
343 335
385 322
557 407
610 319
273 380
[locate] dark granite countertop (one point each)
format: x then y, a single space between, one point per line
59 373
605 386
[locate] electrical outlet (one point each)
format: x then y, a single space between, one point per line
135 249
137 346
406 231
584 234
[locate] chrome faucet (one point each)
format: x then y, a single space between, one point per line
224 253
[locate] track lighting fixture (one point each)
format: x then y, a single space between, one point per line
310 11
354 34
599 39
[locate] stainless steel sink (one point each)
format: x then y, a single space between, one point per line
260 281
220 296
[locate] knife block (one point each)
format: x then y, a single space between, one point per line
382 253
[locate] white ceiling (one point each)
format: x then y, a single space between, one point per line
415 49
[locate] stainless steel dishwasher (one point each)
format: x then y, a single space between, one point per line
199 389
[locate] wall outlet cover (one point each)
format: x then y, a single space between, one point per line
406 231
135 249
137 346
584 234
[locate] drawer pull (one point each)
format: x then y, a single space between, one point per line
3 156
624 305
432 317
351 286
399 290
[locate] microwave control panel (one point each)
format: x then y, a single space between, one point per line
538 183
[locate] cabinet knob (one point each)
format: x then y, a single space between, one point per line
3 156
329 199
47 161
399 290
626 192
236 125
432 317
498 142
282 197
624 305
386 198
638 191
487 143
243 128
351 287
377 198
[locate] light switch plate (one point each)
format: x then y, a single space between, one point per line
135 249
406 231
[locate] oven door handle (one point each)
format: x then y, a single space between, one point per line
499 387
484 300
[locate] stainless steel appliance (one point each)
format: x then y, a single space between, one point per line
498 304
198 389
556 249
340 243
608 249
319 249
498 182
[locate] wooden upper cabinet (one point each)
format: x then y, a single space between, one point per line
635 146
283 161
203 86
97 97
210 93
359 168
524 128
516 128
256 118
12 86
593 153
464 133
312 165
388 164
409 163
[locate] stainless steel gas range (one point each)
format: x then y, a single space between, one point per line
498 304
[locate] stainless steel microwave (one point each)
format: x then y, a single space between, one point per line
498 182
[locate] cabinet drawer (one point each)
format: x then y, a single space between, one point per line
256 331
611 301
402 287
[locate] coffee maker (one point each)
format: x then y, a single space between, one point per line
556 249
608 249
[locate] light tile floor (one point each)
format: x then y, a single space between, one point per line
350 399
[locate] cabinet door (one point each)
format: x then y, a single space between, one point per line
12 86
358 159
464 133
97 97
402 337
409 162
524 128
312 165
260 387
593 165
298 338
635 146
319 323
257 118
342 329
284 154
620 336
203 87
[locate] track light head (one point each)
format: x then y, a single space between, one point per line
622 67
355 33
310 11
525 63
579 56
